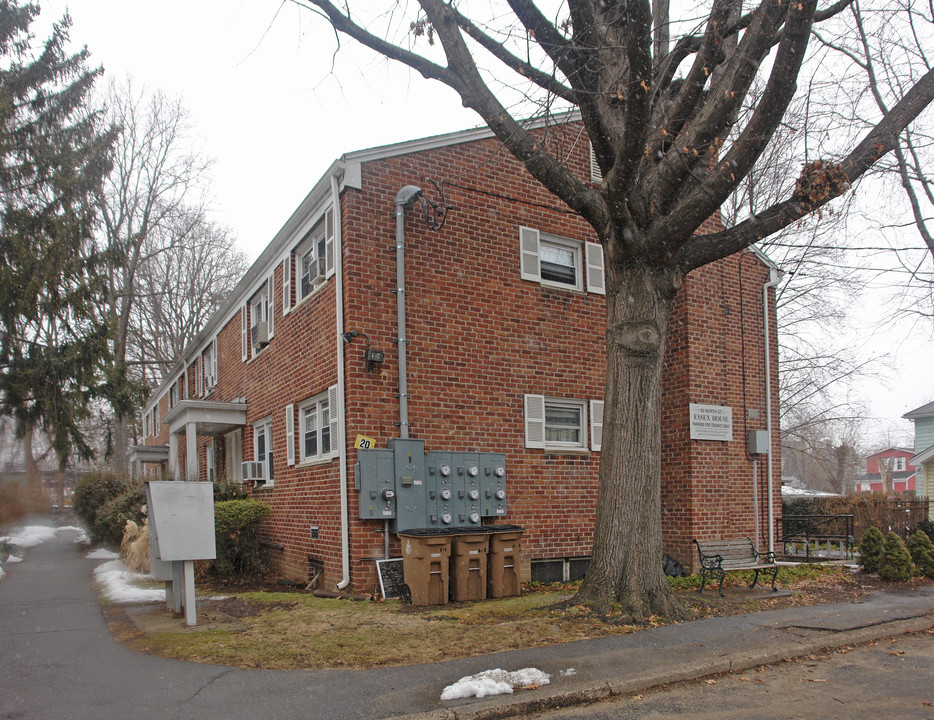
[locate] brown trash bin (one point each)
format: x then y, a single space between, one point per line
505 559
469 549
426 557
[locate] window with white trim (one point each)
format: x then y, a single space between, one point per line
562 423
208 368
173 394
259 320
209 464
560 262
317 426
899 464
314 261
262 447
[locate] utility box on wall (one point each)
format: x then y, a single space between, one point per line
439 489
758 442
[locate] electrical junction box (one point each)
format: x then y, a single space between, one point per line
758 442
439 489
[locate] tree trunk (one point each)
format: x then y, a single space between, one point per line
119 442
626 566
33 478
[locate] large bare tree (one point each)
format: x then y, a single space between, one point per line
662 117
155 216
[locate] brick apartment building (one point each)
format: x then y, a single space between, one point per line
504 357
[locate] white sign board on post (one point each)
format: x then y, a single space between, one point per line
711 422
183 516
181 522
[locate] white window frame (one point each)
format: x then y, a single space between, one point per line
317 405
210 466
536 425
318 242
173 393
588 257
263 428
207 368
259 312
899 464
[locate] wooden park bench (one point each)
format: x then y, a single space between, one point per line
718 557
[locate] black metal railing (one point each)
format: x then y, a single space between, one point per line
825 535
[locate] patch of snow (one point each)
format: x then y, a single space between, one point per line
117 583
102 554
30 536
494 682
568 672
14 559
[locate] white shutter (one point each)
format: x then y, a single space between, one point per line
595 282
529 265
287 284
596 425
329 242
596 174
244 330
271 304
334 402
290 434
214 359
199 384
535 421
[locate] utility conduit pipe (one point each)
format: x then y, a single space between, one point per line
404 199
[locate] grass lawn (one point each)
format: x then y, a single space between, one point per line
296 630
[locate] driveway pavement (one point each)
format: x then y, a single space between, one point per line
59 662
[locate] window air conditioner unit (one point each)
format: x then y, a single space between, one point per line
315 274
209 382
252 472
259 335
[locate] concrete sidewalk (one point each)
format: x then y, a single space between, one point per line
59 661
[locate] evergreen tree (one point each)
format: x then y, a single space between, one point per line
870 549
922 552
53 156
895 564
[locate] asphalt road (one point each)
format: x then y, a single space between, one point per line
887 678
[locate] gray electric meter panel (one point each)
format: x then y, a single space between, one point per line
411 508
493 485
441 489
375 477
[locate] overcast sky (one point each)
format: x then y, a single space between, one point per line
257 78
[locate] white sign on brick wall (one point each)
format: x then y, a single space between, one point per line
711 422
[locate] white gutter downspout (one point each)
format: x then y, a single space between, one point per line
341 385
774 278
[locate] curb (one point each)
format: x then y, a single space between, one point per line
732 662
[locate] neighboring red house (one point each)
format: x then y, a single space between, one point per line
498 375
889 470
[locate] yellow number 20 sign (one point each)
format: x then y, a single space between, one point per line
364 443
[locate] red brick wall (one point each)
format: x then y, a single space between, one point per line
478 339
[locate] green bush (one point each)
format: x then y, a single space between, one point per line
870 549
895 565
922 552
98 490
927 527
236 529
226 490
111 517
